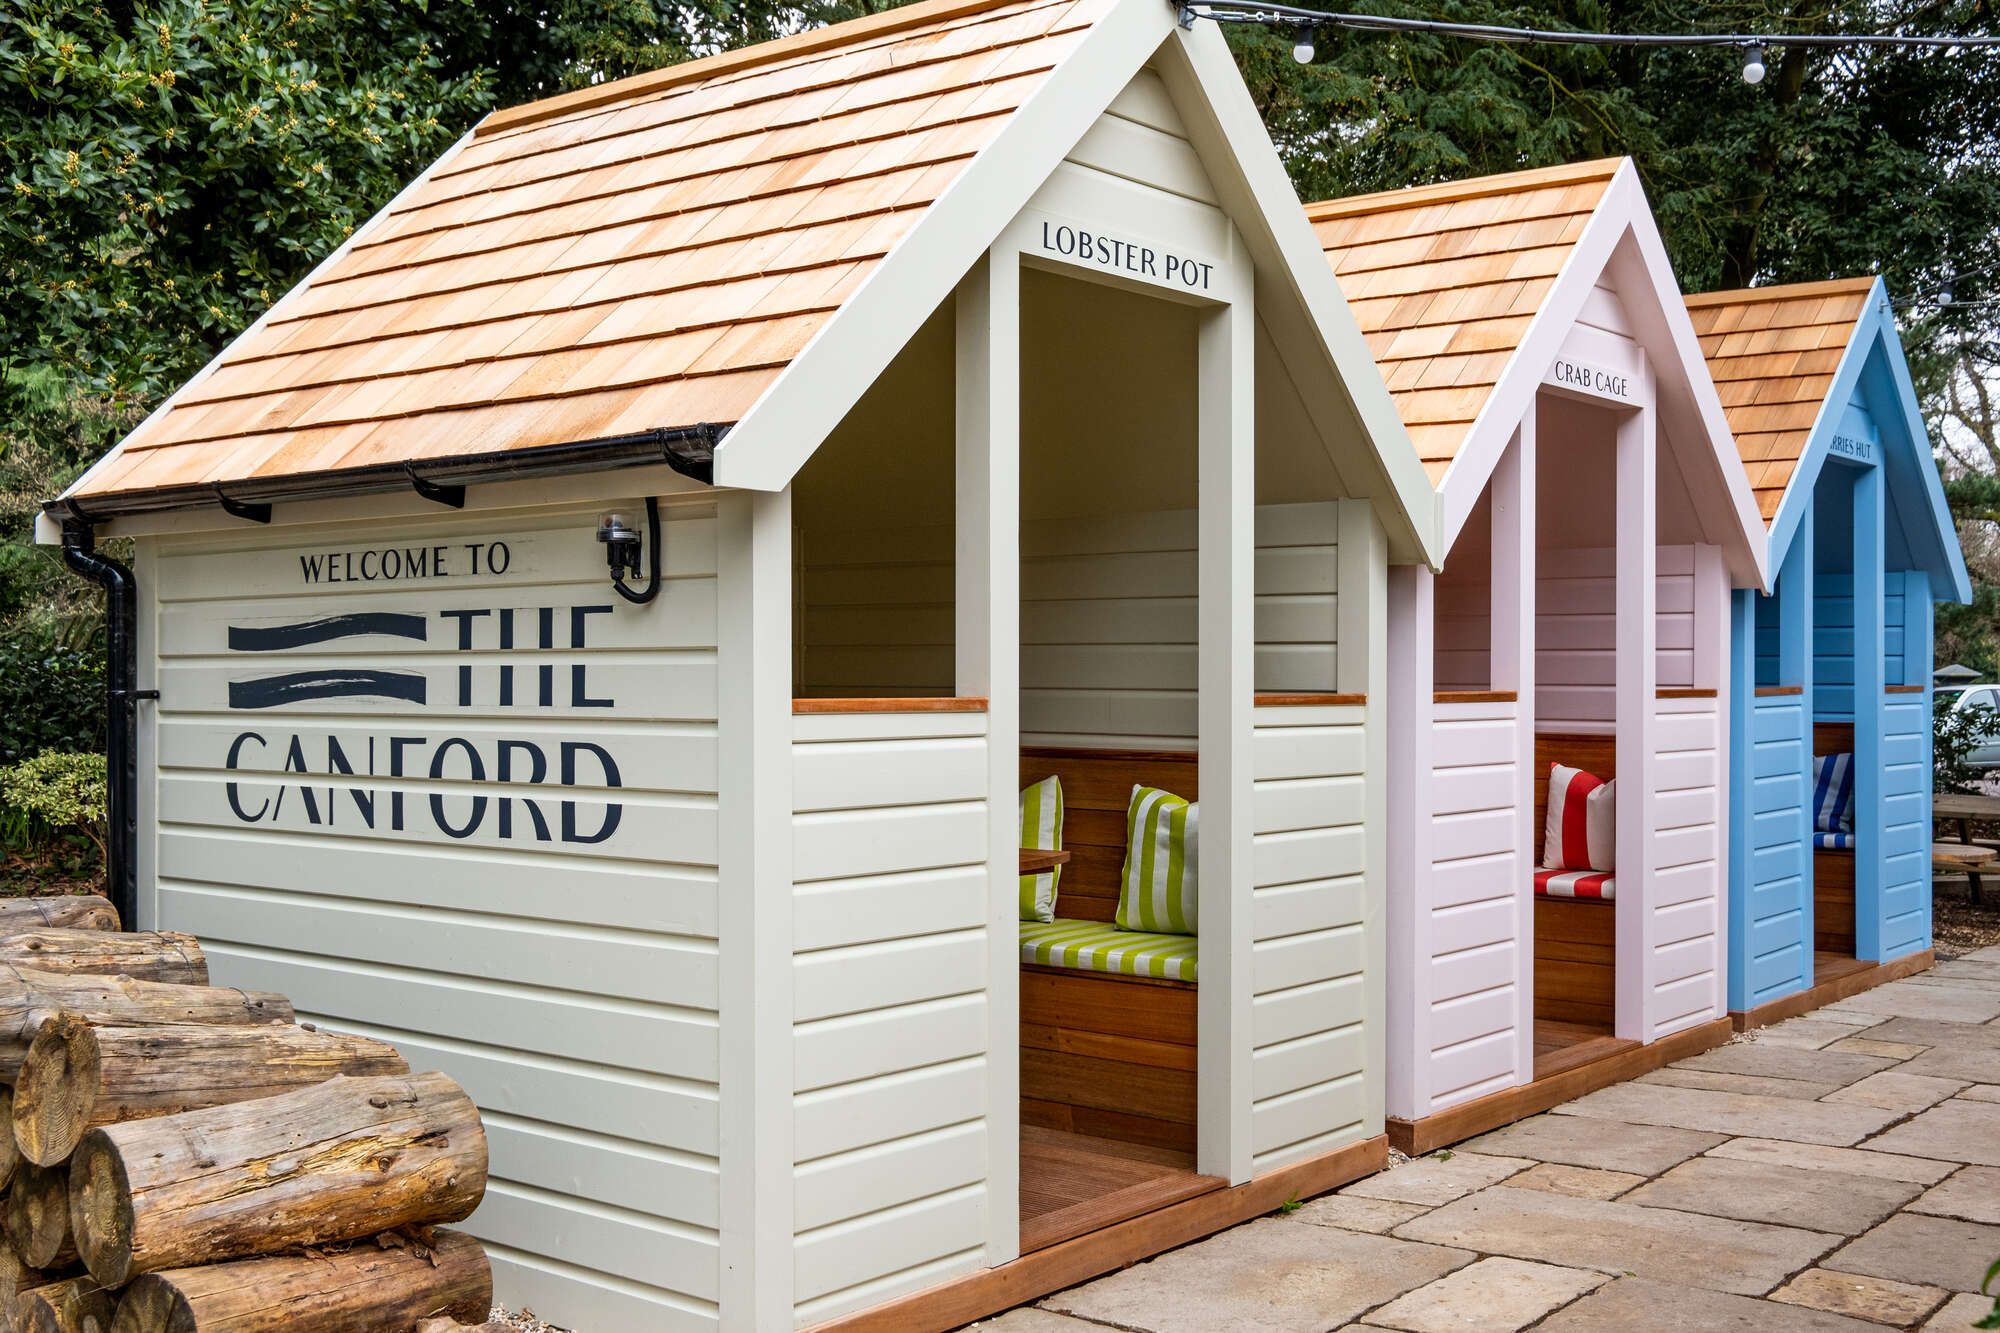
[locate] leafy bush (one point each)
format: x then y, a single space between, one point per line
63 790
1955 733
51 696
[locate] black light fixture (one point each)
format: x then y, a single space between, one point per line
623 548
1303 48
1753 63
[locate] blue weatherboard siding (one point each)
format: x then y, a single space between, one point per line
1863 544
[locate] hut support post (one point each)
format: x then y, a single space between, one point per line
1742 703
1364 615
1225 473
754 875
1917 658
1411 620
1869 614
1637 677
1513 668
989 665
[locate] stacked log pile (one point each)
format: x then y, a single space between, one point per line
182 1158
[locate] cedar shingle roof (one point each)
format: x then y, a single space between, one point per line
1445 279
650 253
1773 352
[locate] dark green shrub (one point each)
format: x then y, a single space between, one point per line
51 696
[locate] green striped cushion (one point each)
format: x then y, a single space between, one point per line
1098 946
1156 892
1041 829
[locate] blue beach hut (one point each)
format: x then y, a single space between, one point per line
1830 753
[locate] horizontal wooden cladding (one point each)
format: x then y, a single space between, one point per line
1902 689
1277 700
1109 1056
967 704
1097 791
1475 697
1779 691
1684 693
1575 961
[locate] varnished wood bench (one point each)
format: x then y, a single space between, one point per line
1105 1054
1833 867
1575 938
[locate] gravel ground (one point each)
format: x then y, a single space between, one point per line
524 1321
1958 926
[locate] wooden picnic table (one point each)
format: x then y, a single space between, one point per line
1961 809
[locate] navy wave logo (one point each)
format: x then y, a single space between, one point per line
297 687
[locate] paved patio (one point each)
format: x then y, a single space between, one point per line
1840 1171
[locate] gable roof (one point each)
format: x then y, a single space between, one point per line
744 240
1773 352
1445 279
1788 360
1467 291
649 253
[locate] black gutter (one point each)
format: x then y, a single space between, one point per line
688 450
121 712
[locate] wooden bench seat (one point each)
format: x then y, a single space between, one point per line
1833 867
1575 938
1104 1053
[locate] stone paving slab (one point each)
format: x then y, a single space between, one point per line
1945 1003
1893 1090
1351 1212
1763 1057
1578 1141
1621 1237
1981 1092
1963 967
1810 1034
1732 1113
1972 1194
1989 984
1712 1080
1990 954
1869 1046
1854 1161
1579 1182
1269 1274
1954 1131
1633 1305
1028 1319
1930 1032
1812 1199
1876 1298
1930 1251
1960 1313
1491 1296
1439 1178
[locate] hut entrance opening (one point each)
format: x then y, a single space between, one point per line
1836 815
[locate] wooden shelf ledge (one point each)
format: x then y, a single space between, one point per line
915 705
1475 696
1902 689
1277 700
1684 694
1779 691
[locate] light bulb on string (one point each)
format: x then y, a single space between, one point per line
1302 49
1753 64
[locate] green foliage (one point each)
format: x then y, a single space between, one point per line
61 789
1992 1318
1955 732
51 697
1291 1205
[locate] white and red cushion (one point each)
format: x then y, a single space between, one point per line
1592 884
1582 821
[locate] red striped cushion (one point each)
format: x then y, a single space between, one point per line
1582 822
1575 884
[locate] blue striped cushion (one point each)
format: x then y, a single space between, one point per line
1834 842
1833 793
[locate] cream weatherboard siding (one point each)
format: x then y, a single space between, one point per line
445 874
1687 852
890 973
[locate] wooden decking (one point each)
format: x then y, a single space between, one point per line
1835 977
1073 1184
1560 1047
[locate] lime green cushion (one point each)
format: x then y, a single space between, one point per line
1041 830
1156 892
1097 946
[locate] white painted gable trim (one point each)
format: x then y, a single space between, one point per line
1668 337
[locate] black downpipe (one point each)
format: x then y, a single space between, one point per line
121 711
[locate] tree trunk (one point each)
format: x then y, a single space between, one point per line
76 1305
82 911
347 1158
78 1074
148 956
364 1287
28 997
37 1216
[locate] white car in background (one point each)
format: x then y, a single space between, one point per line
1985 755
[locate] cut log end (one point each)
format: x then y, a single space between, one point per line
78 1305
37 1217
10 1153
57 1091
100 1205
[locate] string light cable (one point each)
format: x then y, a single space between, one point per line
1306 23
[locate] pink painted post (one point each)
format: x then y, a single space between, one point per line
1637 676
1513 619
1411 608
1711 667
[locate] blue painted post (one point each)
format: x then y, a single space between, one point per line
1795 662
1742 813
1869 612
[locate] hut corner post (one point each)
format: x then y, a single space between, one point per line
1406 779
988 664
1513 668
1226 527
1919 647
754 812
1870 611
1637 676
1743 709
1364 563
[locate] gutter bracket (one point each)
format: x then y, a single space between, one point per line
450 496
252 513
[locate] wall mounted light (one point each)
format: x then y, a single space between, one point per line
623 549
